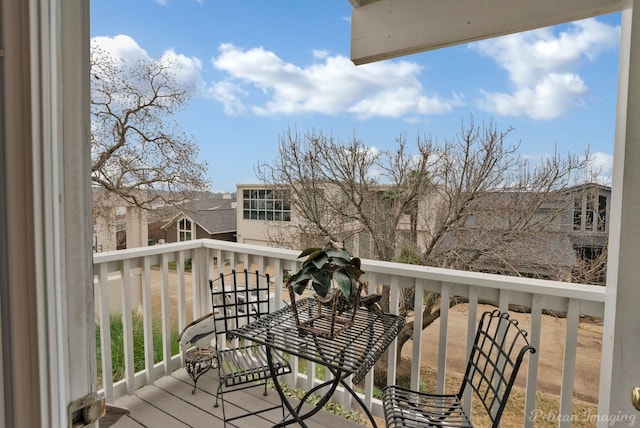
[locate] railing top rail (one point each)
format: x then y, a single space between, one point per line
587 292
371 267
259 250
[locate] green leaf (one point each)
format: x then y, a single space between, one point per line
300 286
308 251
338 254
321 282
300 281
344 282
354 271
319 261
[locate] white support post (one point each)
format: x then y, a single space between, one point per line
620 369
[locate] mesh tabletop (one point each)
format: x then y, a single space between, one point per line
353 351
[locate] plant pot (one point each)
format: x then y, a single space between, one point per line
328 316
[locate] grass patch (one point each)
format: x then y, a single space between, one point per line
117 344
187 265
331 407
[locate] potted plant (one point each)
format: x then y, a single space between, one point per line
335 277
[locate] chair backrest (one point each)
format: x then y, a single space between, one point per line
238 298
498 350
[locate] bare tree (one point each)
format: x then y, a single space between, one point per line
494 212
138 151
342 191
468 203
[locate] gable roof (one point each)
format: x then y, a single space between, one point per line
216 214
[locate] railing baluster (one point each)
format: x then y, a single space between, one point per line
394 305
532 373
472 320
166 316
569 363
442 341
182 301
147 321
416 356
105 333
127 327
371 284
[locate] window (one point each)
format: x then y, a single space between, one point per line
266 204
602 213
577 214
185 230
590 213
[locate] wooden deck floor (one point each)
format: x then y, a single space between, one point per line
169 403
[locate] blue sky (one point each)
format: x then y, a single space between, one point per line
262 67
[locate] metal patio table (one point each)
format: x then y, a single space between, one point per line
352 353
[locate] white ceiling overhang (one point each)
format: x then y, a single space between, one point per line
382 29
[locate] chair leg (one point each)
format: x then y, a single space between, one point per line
265 389
218 393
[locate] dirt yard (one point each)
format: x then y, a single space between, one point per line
551 352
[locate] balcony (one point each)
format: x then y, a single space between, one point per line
153 282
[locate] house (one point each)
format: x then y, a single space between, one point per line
48 341
208 217
572 229
118 225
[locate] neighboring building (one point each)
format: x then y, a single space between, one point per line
209 217
265 217
116 224
565 244
260 210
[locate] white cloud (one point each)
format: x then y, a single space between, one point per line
122 47
599 170
320 54
127 50
165 2
603 167
332 86
227 94
547 99
542 67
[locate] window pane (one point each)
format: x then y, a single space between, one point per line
602 213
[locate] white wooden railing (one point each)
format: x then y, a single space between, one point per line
152 281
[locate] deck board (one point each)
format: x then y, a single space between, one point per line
169 403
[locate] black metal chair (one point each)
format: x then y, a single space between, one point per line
237 300
497 353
